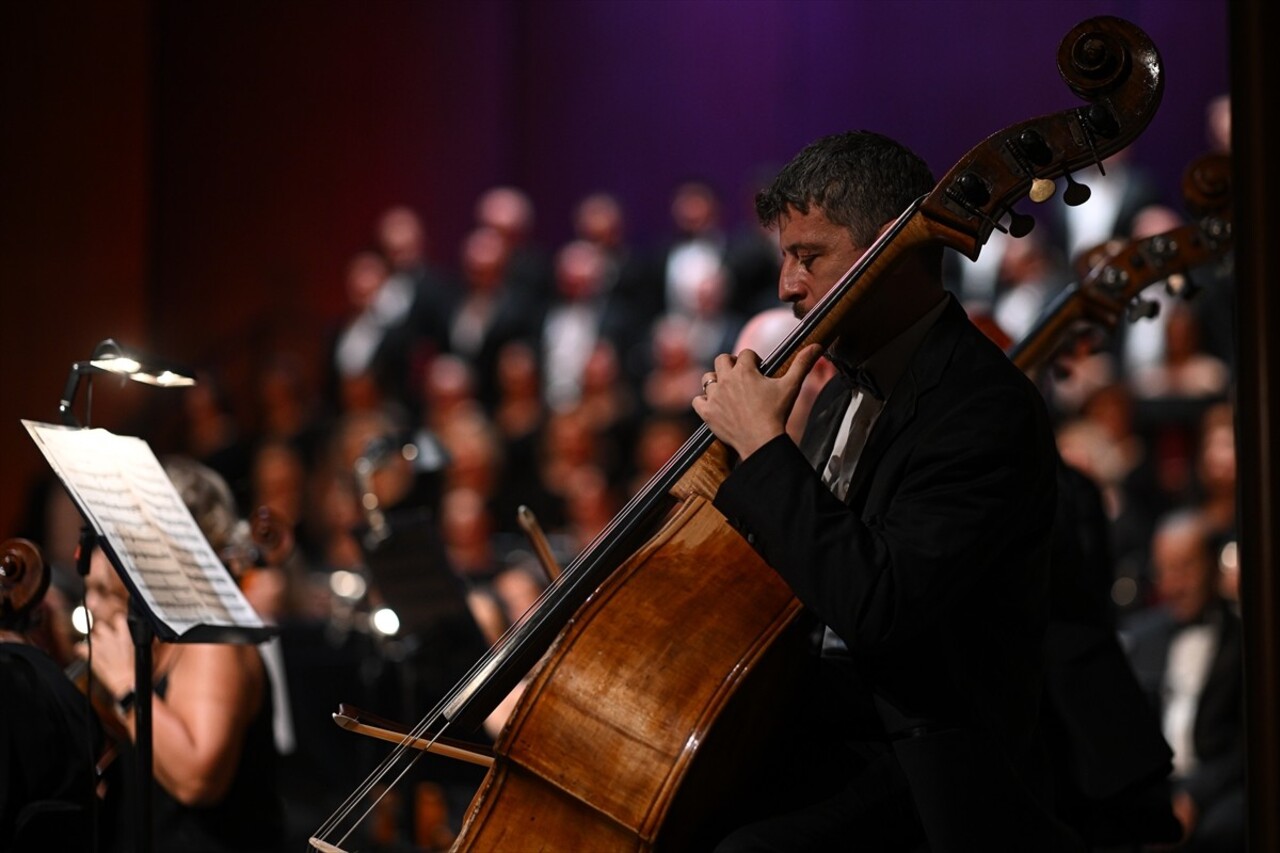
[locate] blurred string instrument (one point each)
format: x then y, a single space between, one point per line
272 538
1114 274
267 542
663 655
24 579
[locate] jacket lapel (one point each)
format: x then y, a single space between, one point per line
824 420
921 376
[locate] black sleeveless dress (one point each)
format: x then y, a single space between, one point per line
248 819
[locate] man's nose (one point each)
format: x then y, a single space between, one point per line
788 282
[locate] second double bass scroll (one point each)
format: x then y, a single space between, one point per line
662 651
1114 276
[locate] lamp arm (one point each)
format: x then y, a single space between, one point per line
65 411
110 357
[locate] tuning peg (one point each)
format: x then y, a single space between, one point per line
1112 280
1020 224
974 189
1032 150
1216 228
1162 248
1182 284
1033 145
1096 120
1076 193
1103 122
1042 189
1141 308
971 192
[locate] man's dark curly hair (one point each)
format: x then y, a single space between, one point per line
859 179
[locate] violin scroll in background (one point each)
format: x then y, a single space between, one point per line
263 540
259 549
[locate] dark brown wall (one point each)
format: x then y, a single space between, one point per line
74 153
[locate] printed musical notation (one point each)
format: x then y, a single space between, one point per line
124 493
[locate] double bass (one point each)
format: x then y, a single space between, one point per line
658 662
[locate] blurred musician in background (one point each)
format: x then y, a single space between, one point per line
214 757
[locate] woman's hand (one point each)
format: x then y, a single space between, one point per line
112 661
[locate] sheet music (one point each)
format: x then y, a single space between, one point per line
125 494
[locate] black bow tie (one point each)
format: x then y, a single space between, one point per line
1208 616
857 378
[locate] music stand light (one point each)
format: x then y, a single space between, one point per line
110 357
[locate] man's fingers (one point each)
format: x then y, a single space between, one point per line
803 363
800 366
725 361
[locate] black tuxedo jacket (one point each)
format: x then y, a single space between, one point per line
1111 761
934 571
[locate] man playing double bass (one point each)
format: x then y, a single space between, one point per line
913 521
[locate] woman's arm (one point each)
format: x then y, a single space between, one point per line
198 728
